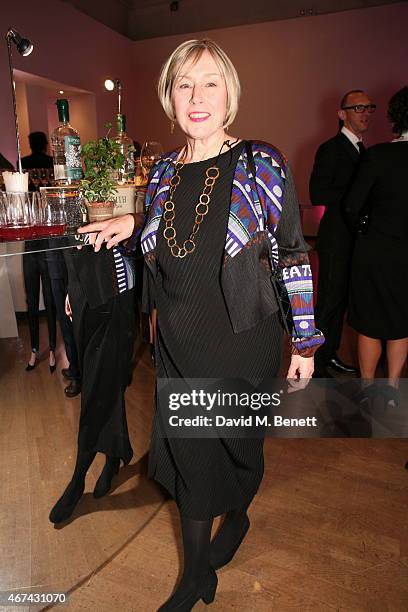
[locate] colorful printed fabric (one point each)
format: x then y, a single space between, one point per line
247 218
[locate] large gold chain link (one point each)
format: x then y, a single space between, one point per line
201 210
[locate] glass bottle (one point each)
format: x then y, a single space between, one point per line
126 174
66 148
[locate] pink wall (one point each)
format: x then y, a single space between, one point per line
69 47
293 74
23 122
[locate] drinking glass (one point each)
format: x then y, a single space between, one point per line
17 216
50 214
45 177
149 155
140 175
3 220
35 177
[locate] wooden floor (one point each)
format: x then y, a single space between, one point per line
329 526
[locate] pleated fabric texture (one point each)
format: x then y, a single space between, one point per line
195 339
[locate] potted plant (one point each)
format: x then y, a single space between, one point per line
102 160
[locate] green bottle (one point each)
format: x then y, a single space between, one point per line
66 148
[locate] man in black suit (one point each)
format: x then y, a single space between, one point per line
334 167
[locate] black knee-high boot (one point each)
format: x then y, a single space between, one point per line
73 493
104 482
199 580
229 537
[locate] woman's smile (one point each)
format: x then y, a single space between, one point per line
196 117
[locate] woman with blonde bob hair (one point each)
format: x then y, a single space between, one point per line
221 218
191 50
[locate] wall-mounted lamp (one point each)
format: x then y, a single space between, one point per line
111 85
24 47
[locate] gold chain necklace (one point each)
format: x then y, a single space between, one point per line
170 235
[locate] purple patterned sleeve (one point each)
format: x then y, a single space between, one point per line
131 243
296 272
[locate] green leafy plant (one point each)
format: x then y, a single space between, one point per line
102 159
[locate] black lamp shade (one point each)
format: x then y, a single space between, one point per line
24 46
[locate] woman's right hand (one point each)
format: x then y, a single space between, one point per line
112 231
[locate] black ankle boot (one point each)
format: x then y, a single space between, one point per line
199 580
104 482
67 502
74 491
185 601
228 538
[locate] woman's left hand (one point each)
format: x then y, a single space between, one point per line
112 231
300 372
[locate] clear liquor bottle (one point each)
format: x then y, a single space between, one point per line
126 174
66 148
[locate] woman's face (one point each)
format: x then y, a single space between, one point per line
200 98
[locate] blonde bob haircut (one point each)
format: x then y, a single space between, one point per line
192 50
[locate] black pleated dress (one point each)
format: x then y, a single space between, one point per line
195 339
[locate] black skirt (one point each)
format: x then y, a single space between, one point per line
379 290
195 339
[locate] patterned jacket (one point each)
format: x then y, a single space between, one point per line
259 235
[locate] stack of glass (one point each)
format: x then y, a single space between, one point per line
52 212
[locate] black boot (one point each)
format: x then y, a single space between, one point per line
73 493
199 580
104 482
229 537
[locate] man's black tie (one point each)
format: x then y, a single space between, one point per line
361 147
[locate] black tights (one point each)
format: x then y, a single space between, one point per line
35 268
82 465
196 547
231 527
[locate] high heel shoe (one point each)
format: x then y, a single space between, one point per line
222 552
53 367
30 367
205 591
390 396
366 396
104 482
67 502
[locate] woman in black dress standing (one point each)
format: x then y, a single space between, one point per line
378 308
210 238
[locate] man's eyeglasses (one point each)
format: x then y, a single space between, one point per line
360 108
